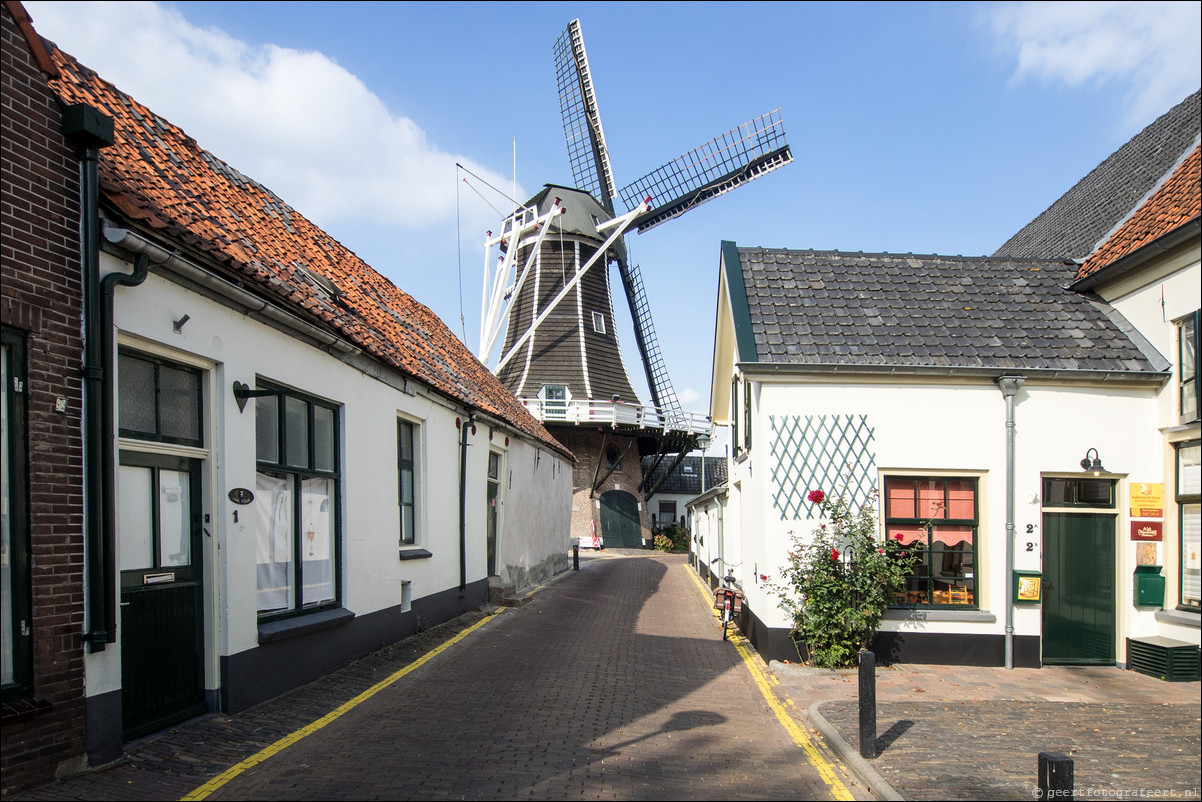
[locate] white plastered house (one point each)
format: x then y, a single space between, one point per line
301 463
967 397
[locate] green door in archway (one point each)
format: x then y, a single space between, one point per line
620 520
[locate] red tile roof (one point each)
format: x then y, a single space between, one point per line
156 174
1175 203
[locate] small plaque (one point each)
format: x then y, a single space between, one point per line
1147 530
240 495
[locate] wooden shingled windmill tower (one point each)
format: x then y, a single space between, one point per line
549 292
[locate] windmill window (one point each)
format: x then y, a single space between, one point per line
598 322
555 401
611 458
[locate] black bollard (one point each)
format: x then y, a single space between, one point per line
576 557
1055 776
867 704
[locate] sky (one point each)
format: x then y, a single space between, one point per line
915 127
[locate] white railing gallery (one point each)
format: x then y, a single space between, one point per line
615 413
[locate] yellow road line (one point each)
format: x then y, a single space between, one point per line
800 737
212 785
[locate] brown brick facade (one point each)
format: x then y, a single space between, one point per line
41 303
586 444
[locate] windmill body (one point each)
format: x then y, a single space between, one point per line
550 293
574 351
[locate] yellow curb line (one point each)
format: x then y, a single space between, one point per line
800 737
224 777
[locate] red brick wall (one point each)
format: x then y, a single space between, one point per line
586 444
41 296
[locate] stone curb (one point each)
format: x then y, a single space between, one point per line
867 774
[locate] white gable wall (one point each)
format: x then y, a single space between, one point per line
953 428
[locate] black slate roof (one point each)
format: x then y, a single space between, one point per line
687 476
1076 223
833 309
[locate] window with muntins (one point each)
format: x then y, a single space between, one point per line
296 503
1189 507
1187 368
747 417
734 415
158 400
16 662
938 514
555 401
407 478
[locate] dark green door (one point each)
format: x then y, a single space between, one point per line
492 513
1079 601
162 648
620 520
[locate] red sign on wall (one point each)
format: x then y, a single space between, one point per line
1146 530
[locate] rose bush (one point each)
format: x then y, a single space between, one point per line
837 599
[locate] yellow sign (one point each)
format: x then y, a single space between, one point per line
1147 500
1028 589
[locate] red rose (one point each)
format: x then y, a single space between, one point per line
816 497
834 554
898 537
763 577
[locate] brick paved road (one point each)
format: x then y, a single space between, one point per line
612 684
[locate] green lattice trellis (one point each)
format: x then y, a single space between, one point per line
832 453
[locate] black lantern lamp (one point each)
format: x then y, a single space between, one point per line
1094 465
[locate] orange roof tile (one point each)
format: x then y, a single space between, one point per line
1175 203
159 176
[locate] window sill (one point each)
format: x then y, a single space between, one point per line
19 709
967 616
414 554
303 625
1180 617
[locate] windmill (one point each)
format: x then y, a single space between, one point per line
549 292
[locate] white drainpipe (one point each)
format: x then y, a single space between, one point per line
1009 385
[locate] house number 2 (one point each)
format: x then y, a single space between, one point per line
1030 530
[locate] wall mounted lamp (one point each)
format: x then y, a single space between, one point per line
1092 465
242 392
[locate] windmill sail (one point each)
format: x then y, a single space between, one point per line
720 165
581 121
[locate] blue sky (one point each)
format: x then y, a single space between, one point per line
915 127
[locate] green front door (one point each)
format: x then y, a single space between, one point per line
1079 603
620 520
162 649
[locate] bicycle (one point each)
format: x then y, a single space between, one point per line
728 599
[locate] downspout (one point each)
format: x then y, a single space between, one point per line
463 430
90 130
1009 385
108 476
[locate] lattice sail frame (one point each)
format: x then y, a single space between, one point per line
832 453
587 152
726 162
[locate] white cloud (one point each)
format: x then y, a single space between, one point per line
1153 47
294 121
689 399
